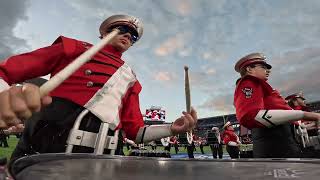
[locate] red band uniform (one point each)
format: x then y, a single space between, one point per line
311 126
71 95
253 94
231 140
105 89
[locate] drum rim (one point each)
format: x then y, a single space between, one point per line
28 161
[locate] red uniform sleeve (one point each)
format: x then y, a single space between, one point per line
131 117
226 138
40 62
248 101
30 65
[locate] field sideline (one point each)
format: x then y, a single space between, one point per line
12 141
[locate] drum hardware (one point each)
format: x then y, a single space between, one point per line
99 141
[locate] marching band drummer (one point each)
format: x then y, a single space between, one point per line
297 102
231 140
50 118
215 142
262 109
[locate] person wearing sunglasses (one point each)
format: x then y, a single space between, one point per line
305 130
262 109
50 118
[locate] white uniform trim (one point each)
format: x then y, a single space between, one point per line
3 85
232 143
154 132
107 102
217 134
271 118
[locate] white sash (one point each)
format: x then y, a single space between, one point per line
107 101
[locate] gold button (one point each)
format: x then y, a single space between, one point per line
87 72
89 84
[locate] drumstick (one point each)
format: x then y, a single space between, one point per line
188 99
56 80
187 89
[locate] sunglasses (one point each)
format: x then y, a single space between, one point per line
262 66
127 29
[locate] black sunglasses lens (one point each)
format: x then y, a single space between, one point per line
123 29
126 29
134 38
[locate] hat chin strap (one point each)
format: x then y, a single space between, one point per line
270 118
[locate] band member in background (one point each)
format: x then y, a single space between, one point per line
215 143
52 116
261 108
166 142
175 143
202 144
297 102
231 140
191 147
305 131
153 145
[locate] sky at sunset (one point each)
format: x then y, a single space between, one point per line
209 36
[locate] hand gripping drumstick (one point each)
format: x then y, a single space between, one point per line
56 80
188 99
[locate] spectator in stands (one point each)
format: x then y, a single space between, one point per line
231 140
215 142
261 108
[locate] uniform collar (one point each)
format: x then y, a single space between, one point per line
111 50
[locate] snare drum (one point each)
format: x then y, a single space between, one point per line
90 166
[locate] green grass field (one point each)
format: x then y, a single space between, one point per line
12 141
6 152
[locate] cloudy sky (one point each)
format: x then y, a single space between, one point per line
207 35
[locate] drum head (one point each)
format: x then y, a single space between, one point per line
94 167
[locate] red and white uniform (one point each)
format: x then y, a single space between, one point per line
82 85
174 140
230 136
252 95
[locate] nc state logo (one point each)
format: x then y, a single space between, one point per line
247 91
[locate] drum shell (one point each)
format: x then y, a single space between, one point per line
89 166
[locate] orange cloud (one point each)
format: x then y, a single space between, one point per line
184 8
163 76
170 46
210 71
